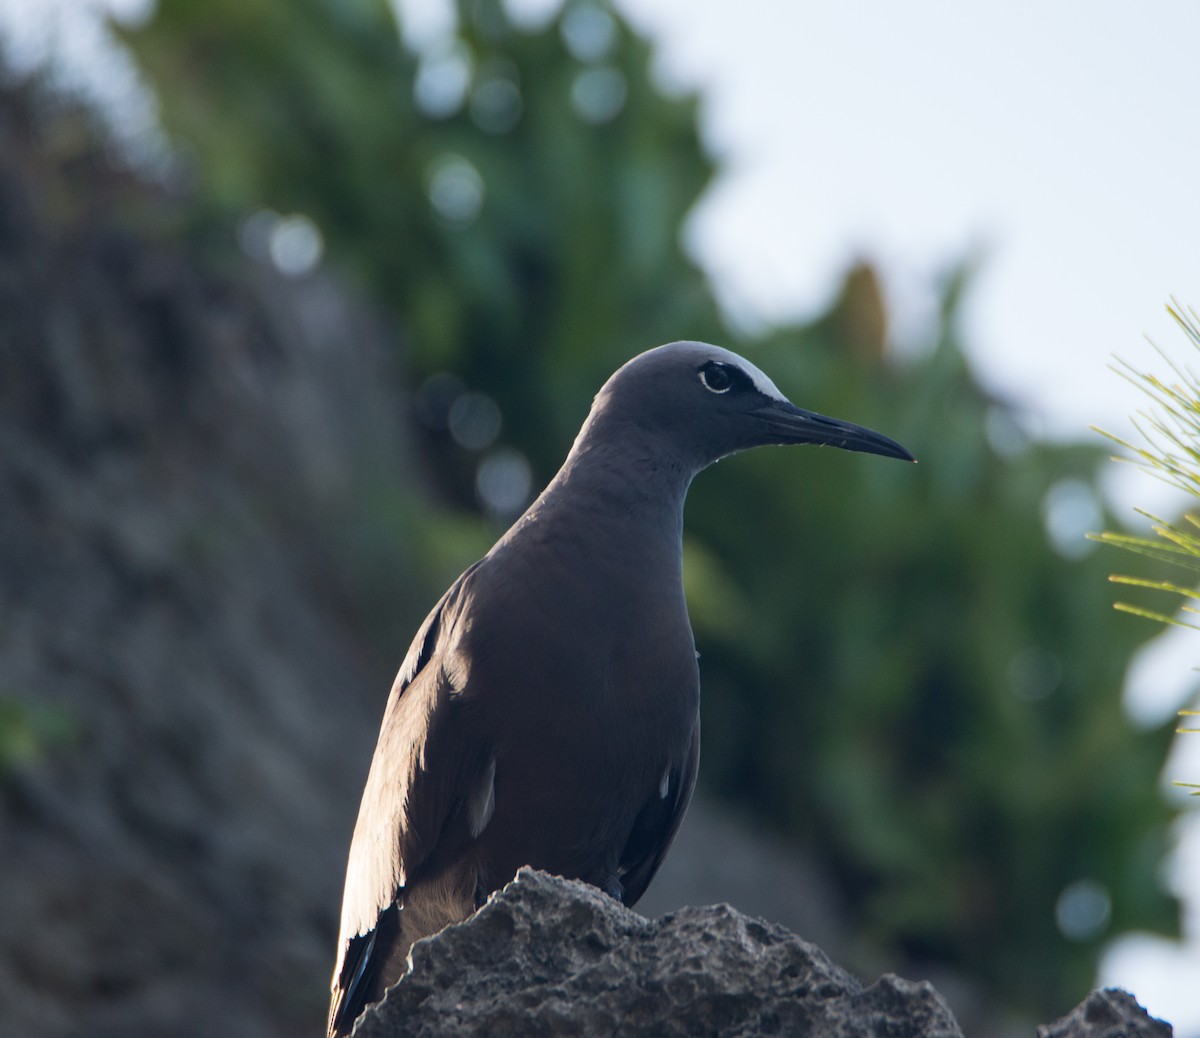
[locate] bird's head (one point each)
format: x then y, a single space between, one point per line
702 402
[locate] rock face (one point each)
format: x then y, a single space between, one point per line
546 956
185 715
551 957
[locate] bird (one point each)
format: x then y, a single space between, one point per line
547 711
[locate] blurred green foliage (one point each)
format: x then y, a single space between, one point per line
30 729
901 668
573 255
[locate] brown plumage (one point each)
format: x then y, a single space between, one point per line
547 712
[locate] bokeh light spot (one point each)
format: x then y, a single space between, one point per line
1034 673
598 94
496 100
588 32
254 234
296 245
1071 511
455 189
503 482
442 80
1083 910
474 421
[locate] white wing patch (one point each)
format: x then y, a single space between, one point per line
482 801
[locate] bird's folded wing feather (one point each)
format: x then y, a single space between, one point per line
406 806
657 825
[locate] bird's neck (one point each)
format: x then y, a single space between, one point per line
637 479
621 504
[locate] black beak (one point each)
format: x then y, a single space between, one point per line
789 424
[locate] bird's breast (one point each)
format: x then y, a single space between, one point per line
619 668
583 720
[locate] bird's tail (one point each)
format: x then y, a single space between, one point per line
357 974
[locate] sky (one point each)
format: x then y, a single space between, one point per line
1055 144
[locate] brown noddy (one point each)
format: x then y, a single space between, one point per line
547 712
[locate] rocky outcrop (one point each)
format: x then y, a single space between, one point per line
550 957
1111 1013
546 956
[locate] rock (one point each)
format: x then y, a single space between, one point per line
1111 1013
552 957
547 956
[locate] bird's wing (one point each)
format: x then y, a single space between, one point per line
407 808
657 824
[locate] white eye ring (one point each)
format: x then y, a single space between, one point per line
722 375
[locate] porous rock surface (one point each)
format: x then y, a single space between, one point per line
1111 1013
547 956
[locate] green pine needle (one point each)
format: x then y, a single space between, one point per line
1170 451
1157 585
1170 431
1150 614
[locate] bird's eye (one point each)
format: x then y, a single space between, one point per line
716 377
